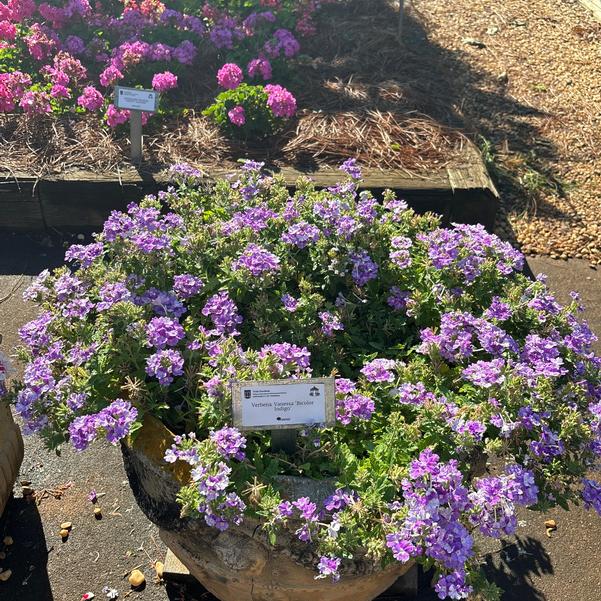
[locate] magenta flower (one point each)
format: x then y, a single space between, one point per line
259 66
115 116
230 76
162 82
91 99
281 102
237 115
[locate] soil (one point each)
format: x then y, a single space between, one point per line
99 553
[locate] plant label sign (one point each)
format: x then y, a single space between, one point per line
134 99
283 404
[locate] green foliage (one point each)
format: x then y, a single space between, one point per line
260 121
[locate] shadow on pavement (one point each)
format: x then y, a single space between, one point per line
514 566
27 557
29 254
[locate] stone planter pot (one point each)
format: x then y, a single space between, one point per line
239 564
11 454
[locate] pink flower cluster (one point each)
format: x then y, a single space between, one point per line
281 102
77 72
230 76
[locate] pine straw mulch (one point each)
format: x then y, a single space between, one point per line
360 94
527 76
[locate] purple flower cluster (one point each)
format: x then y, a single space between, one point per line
301 234
400 256
186 285
434 501
164 331
290 303
223 313
329 566
288 355
256 260
379 370
398 298
84 255
364 269
183 449
351 168
354 405
165 365
161 303
35 333
220 508
229 442
330 323
591 494
465 249
485 373
458 334
415 394
494 499
256 218
112 293
115 421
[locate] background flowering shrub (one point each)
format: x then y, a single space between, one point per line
252 112
67 55
442 352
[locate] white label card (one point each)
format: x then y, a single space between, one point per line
280 404
134 99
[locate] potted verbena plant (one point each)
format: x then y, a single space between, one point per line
443 354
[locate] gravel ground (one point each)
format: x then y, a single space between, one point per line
100 553
524 75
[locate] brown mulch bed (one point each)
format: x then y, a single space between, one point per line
358 89
526 79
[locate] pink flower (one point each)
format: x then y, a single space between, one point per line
35 103
21 9
161 82
12 87
259 66
91 99
281 102
115 116
230 76
110 75
7 31
237 116
60 91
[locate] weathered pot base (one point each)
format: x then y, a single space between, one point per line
240 564
277 577
176 571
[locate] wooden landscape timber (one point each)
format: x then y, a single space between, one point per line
81 200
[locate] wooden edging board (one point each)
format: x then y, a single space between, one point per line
81 200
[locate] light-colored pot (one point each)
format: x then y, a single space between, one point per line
239 564
11 454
